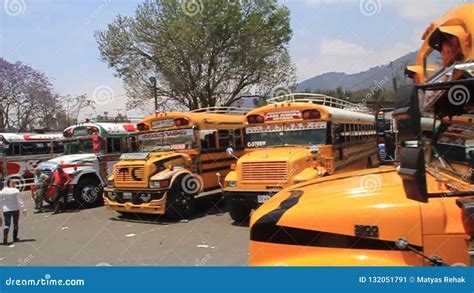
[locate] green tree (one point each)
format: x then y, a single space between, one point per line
203 53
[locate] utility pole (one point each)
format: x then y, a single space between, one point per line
155 92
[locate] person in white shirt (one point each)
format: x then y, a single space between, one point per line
10 205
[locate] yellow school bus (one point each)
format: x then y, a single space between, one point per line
296 138
420 213
182 156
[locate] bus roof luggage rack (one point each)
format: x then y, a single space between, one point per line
223 110
319 99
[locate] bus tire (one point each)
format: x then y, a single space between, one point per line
88 192
179 204
240 213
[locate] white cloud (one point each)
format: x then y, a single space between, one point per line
338 47
422 9
419 10
343 56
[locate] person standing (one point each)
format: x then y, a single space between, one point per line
41 184
60 181
11 204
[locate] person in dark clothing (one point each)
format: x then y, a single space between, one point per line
60 181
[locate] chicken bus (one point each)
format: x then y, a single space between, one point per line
20 154
90 151
182 156
296 138
420 213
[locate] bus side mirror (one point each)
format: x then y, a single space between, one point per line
230 153
95 144
413 173
407 114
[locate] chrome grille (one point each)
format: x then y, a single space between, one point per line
265 171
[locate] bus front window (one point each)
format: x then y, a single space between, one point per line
290 134
180 139
79 146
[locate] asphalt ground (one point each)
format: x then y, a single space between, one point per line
97 236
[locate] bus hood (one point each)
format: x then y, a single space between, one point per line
71 162
144 156
339 210
275 154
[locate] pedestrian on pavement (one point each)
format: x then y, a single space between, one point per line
10 205
41 184
60 181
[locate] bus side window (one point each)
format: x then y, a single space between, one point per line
14 149
347 133
26 148
113 145
338 134
224 138
58 147
134 144
209 141
238 138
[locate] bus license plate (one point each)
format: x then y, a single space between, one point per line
127 195
263 198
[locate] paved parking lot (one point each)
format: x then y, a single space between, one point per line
101 237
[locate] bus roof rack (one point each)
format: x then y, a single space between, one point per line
222 110
319 99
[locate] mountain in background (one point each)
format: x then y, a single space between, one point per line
359 81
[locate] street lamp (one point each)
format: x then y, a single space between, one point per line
155 92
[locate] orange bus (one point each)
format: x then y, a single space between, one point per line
418 214
296 138
182 156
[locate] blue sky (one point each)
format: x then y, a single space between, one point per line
57 37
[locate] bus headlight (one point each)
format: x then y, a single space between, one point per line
112 196
159 183
231 183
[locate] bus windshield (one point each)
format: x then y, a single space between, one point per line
287 134
180 139
78 146
454 149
